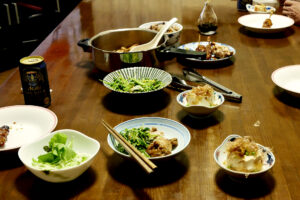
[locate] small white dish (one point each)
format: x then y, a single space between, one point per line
26 124
251 9
81 144
220 156
288 78
254 22
198 110
171 129
173 37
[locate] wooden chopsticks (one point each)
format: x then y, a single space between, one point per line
136 154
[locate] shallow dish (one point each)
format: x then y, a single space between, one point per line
171 129
251 9
254 22
81 144
288 78
26 124
220 156
173 37
139 73
193 45
197 110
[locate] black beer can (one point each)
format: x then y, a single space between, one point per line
34 78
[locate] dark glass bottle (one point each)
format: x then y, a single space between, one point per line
207 21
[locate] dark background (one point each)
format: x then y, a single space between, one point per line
24 24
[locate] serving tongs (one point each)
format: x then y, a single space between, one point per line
192 75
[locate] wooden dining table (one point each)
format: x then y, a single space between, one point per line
268 114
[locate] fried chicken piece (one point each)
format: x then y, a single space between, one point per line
267 23
4 130
161 146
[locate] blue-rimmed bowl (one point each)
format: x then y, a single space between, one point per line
251 9
193 46
220 156
171 129
199 110
172 37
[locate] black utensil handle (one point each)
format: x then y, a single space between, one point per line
185 53
233 97
83 43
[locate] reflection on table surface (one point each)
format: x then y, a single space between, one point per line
80 101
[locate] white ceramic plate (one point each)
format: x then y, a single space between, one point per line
251 9
81 144
139 73
27 123
197 110
220 156
193 46
288 78
171 129
254 22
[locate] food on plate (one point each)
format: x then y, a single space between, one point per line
260 8
214 51
244 155
201 96
60 154
134 85
157 27
150 142
4 130
125 49
267 23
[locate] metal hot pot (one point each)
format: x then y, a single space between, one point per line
104 44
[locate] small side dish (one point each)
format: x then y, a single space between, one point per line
137 80
244 155
200 101
214 51
260 8
201 96
148 130
158 26
4 130
241 157
69 153
134 85
59 154
150 142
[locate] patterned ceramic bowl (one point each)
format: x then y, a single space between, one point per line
173 37
138 73
220 156
170 128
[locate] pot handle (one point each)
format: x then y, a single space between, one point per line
184 53
83 43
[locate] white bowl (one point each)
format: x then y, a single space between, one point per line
251 9
198 110
288 78
254 22
81 144
171 129
220 156
173 37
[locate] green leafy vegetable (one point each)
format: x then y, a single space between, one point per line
140 138
134 85
59 154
